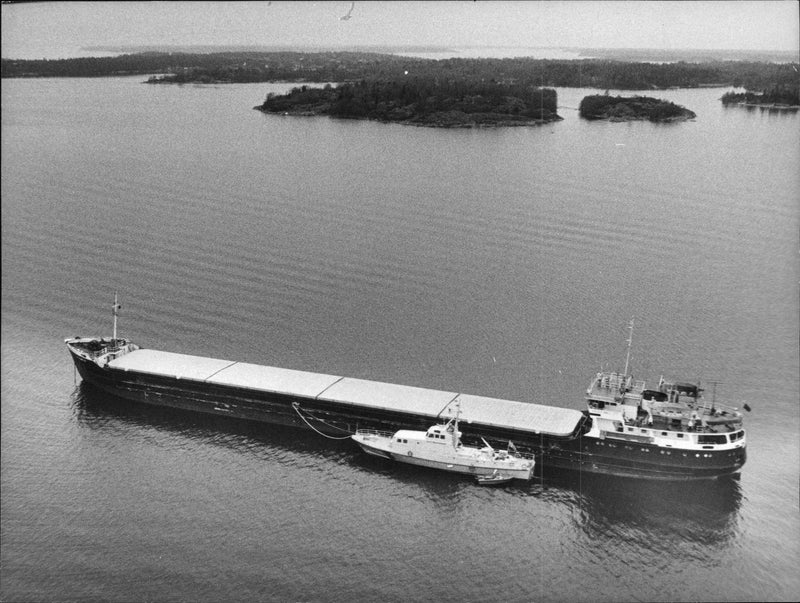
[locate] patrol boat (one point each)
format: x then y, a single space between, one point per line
440 447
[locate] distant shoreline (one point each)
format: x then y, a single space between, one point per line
771 106
299 67
637 55
777 98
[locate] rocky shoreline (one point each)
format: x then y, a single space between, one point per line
445 119
768 106
615 118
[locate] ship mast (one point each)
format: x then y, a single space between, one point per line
630 340
115 311
455 423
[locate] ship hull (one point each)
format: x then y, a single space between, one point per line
463 469
325 416
653 462
576 453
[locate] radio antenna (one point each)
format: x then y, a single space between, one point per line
116 312
630 340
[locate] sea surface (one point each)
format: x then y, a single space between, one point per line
501 262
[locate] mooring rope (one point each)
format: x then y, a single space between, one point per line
297 410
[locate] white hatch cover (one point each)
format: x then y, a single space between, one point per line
524 416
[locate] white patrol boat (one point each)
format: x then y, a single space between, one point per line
440 447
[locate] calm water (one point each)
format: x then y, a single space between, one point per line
498 262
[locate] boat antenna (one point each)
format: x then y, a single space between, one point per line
630 340
714 393
115 310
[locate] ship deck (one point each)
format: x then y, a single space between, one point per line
374 395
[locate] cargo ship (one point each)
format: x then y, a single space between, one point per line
627 430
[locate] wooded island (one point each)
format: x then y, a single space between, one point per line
620 108
777 97
422 102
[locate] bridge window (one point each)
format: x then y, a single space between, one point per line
712 439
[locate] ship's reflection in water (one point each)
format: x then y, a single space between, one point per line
703 511
657 514
96 409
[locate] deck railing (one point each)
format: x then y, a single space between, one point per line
375 432
110 349
703 404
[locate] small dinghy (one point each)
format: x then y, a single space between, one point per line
494 479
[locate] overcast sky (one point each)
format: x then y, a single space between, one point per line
61 29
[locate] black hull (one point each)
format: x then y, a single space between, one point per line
654 462
578 453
